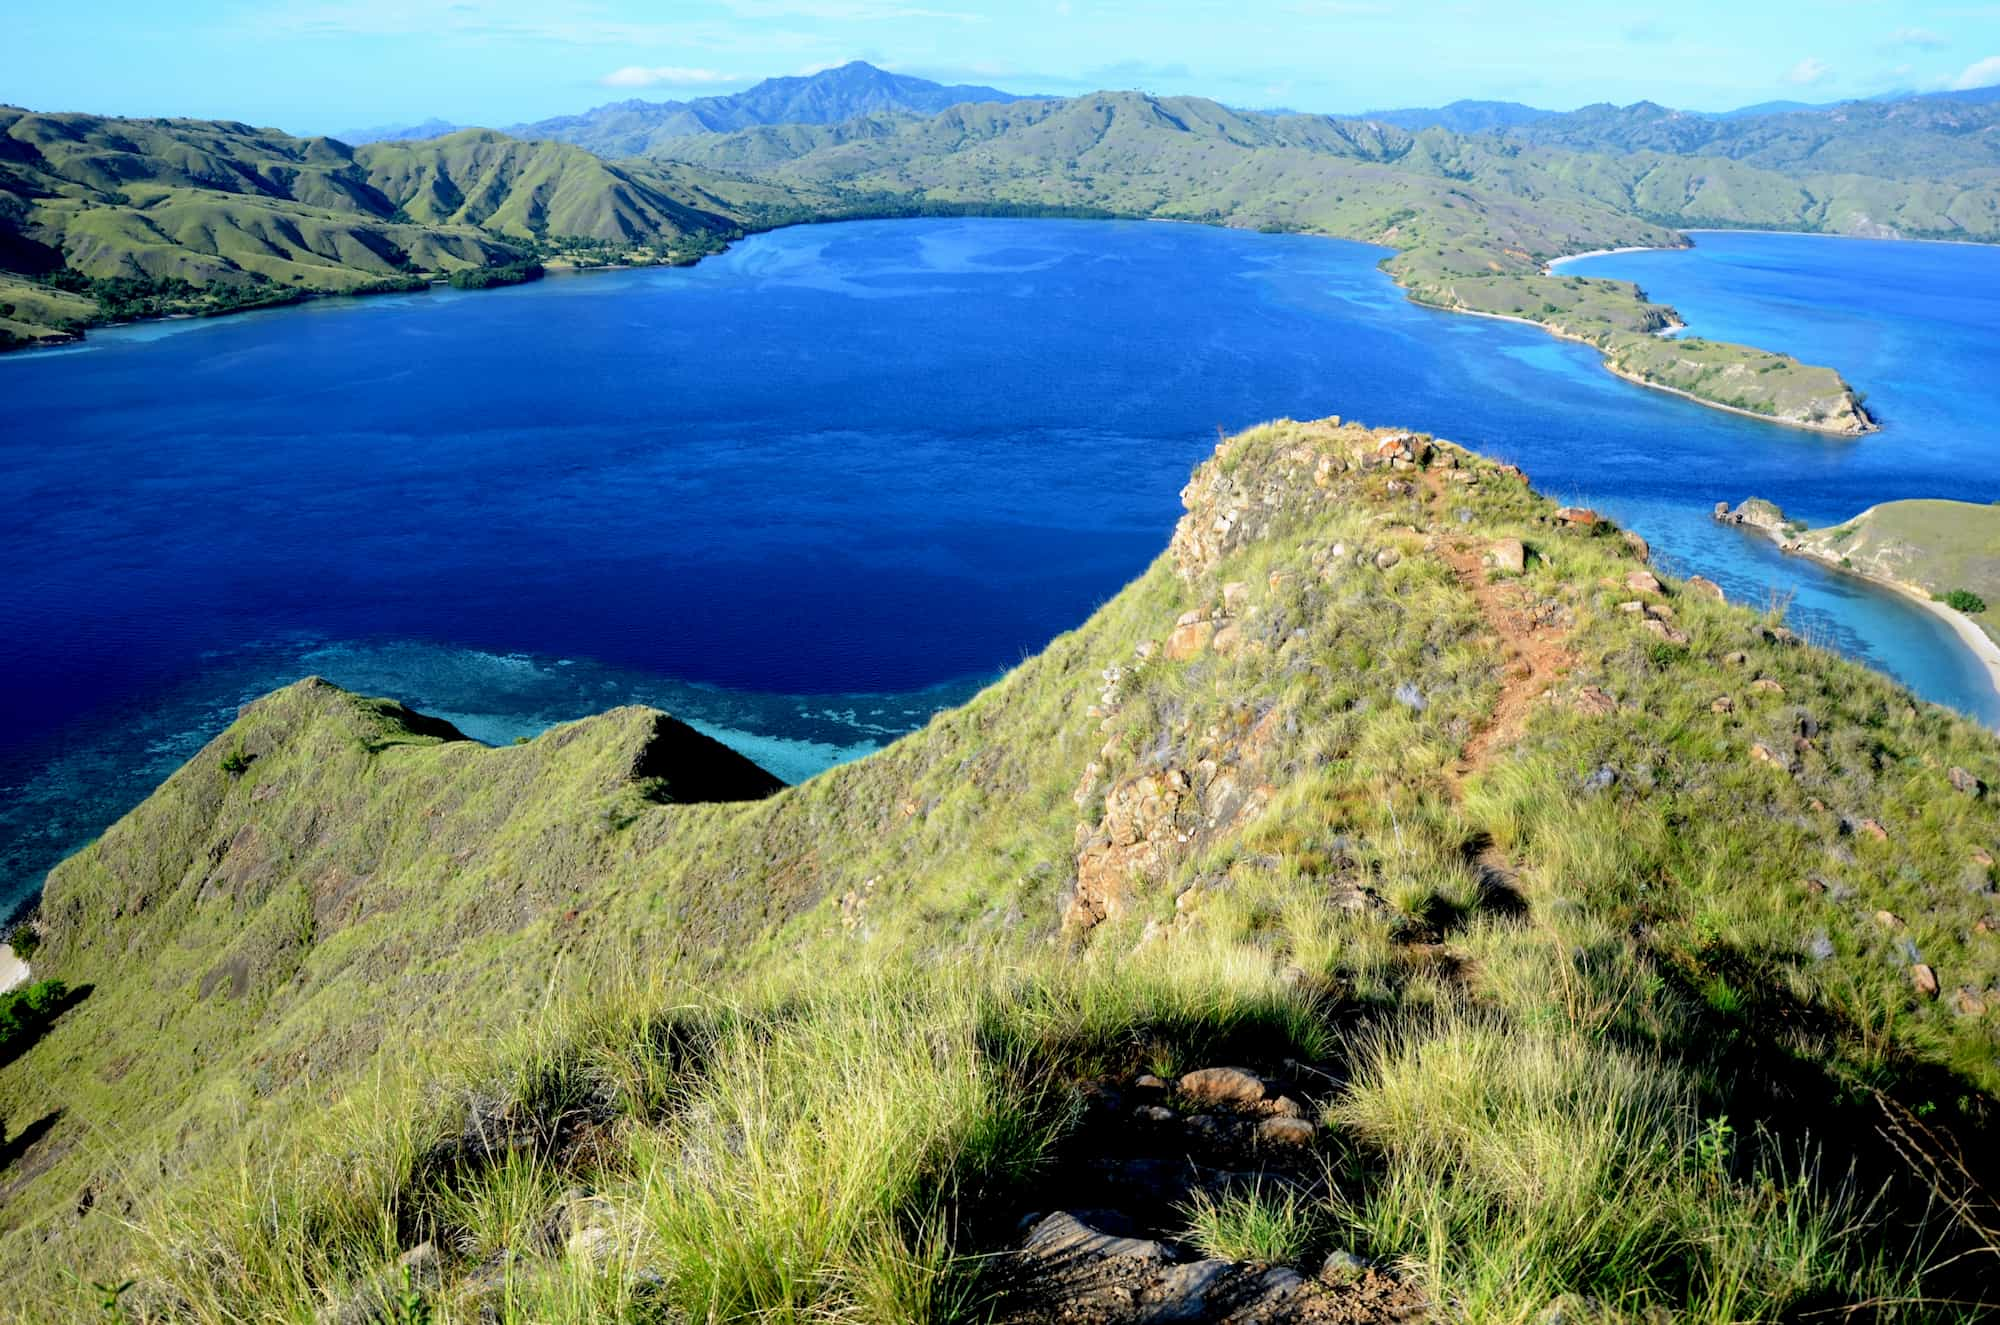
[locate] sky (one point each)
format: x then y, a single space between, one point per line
322 66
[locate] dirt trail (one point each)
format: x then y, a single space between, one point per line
1535 654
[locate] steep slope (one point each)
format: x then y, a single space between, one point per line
142 217
639 128
1567 905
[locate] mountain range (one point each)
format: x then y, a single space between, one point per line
636 127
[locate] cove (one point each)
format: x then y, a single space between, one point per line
802 494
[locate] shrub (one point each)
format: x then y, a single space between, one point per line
26 1012
1963 600
24 940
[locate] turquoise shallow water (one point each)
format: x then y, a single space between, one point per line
808 492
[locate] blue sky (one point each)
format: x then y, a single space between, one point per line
327 65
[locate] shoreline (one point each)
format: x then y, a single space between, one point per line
1615 371
1553 263
1985 651
13 971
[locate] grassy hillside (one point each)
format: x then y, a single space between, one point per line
1475 219
107 219
1934 547
1592 945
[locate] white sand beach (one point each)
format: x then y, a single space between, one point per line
13 971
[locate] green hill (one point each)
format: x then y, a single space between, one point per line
1566 941
116 218
1932 547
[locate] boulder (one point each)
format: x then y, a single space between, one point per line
1235 595
1285 1132
1705 588
1581 516
1643 581
1767 685
1190 640
1640 547
1509 556
1720 704
1224 1087
1925 979
1965 783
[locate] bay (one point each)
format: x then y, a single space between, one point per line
809 491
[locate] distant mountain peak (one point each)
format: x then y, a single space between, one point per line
829 96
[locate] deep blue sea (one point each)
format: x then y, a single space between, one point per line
809 491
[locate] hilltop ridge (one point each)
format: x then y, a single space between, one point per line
1417 798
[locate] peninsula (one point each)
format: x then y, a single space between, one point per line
1943 554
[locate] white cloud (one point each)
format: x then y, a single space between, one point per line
1984 73
638 75
1923 37
1808 70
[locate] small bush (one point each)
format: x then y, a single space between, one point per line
1963 600
24 940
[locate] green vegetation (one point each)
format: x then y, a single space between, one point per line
1254 1224
24 940
110 219
1948 551
481 278
1606 992
26 1012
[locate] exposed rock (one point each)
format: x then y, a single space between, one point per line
1720 704
1069 1271
1228 639
1764 754
1767 685
1665 631
1640 547
1705 588
1230 1087
1736 658
1579 515
1286 1132
1410 697
1605 778
1969 1002
1888 920
1509 556
1388 558
1643 581
1593 701
1235 596
1188 641
1869 828
1925 979
1965 783
1981 856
